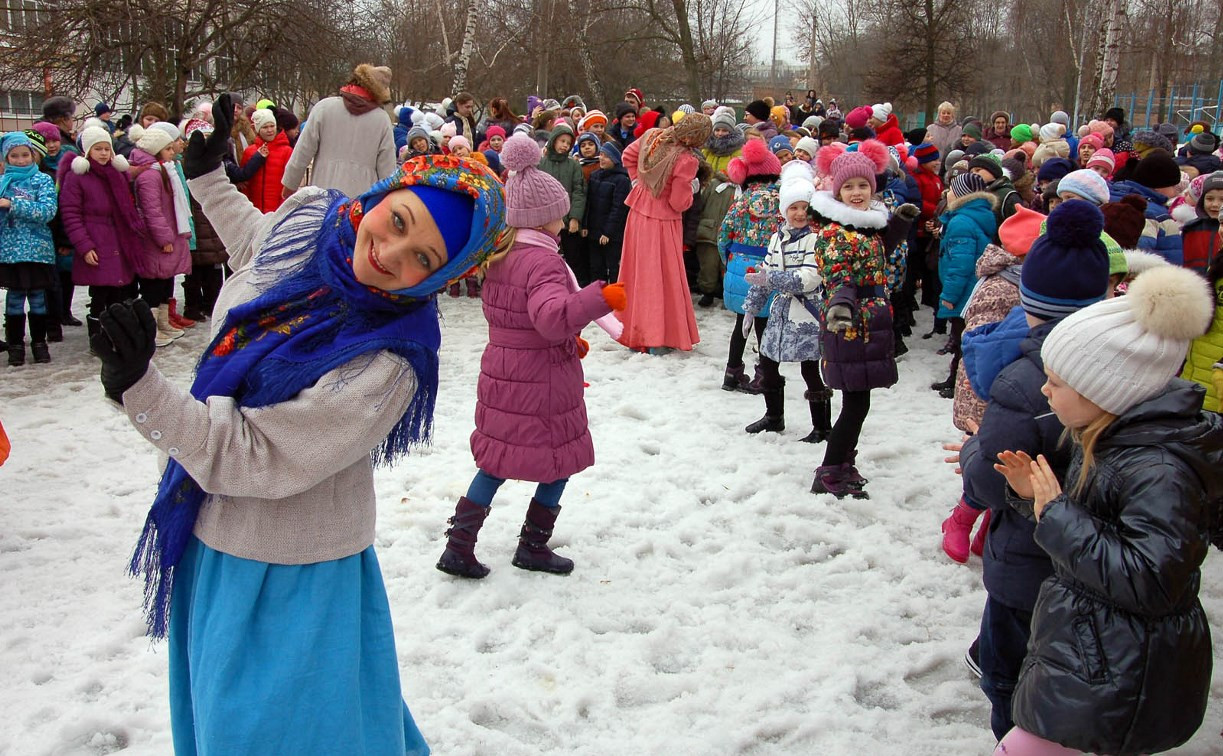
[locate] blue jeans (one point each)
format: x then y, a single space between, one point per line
484 487
1003 645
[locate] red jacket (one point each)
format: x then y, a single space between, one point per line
931 187
1200 241
265 188
889 133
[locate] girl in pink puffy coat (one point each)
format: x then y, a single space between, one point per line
530 411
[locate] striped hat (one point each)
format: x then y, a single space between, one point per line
1066 269
925 153
967 183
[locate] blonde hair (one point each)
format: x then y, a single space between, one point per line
504 243
944 105
1087 438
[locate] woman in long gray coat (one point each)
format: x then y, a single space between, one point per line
348 138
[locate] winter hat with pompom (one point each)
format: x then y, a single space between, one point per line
865 160
1125 219
1021 133
1124 351
262 117
797 184
756 161
154 140
1066 269
88 138
532 197
857 118
881 111
1085 184
1051 131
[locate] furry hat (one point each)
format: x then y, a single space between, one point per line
89 137
1014 168
155 109
1085 184
262 117
532 197
758 109
374 79
840 163
1124 351
1146 141
756 160
57 107
1125 219
1067 268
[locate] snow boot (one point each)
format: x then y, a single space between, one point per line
38 338
774 420
14 334
166 333
734 379
459 558
956 530
454 289
176 320
55 329
756 386
473 288
838 481
820 402
978 541
93 327
533 552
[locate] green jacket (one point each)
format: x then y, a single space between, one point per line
718 195
565 169
1205 351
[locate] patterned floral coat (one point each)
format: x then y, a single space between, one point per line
744 239
850 257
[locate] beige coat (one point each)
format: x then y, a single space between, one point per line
350 153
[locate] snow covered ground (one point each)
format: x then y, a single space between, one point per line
717 606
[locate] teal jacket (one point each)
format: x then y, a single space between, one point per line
968 226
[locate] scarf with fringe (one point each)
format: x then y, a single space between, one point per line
313 317
661 148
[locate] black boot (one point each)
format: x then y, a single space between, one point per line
820 402
459 558
38 338
93 327
14 334
533 552
66 290
774 419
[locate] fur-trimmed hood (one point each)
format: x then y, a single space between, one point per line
825 206
370 78
994 259
955 203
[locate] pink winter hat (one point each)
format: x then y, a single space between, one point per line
867 160
1104 158
49 131
756 160
532 197
857 118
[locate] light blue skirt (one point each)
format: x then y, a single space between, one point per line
279 659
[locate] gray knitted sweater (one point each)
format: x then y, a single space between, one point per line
290 483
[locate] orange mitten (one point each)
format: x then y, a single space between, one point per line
5 446
583 347
615 296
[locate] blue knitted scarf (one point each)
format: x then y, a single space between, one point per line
313 318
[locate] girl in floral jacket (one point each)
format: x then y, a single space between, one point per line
858 348
27 254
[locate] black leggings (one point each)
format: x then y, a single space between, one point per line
156 291
101 297
738 342
844 439
770 374
957 351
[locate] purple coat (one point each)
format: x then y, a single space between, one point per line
155 198
96 208
530 412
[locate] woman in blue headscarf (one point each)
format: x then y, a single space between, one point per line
257 553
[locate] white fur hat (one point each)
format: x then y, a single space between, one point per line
881 111
262 117
797 184
1123 351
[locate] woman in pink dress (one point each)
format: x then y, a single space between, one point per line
662 165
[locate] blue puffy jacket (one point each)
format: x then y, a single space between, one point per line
968 226
991 347
1162 234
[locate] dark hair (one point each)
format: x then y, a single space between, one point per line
1215 271
500 109
463 97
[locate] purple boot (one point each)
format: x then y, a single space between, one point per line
533 552
459 558
838 480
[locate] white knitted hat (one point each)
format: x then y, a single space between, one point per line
881 111
808 145
154 140
1052 131
93 135
1121 352
797 184
262 117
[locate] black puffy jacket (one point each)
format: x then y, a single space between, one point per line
1120 659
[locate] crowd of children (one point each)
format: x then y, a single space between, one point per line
1074 272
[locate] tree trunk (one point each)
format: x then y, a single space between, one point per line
930 61
541 68
1104 71
687 51
584 20
469 37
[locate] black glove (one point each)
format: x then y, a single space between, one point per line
125 345
908 211
204 154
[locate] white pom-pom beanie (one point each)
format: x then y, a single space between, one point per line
1121 352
